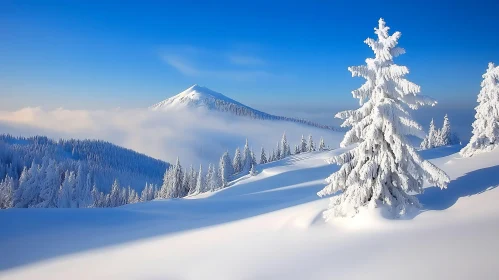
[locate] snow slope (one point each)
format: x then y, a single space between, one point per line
267 227
197 96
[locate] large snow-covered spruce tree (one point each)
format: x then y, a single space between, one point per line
486 125
383 168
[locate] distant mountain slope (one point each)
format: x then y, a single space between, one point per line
104 161
198 96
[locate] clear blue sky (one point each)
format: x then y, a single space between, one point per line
97 54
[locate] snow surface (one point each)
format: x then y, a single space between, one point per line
267 227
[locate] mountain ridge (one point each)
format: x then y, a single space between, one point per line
198 96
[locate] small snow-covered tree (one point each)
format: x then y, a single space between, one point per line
311 146
65 199
263 156
430 140
225 169
253 170
200 182
237 165
486 125
6 192
322 146
173 187
247 159
278 153
383 169
303 145
285 150
115 197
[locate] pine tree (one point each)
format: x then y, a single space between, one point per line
114 199
174 186
486 125
263 157
430 141
383 168
297 149
253 170
311 146
225 169
6 192
200 182
278 153
65 199
303 145
50 186
247 159
285 146
193 179
322 146
237 166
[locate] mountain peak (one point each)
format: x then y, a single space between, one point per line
197 96
194 96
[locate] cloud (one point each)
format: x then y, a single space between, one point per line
198 62
194 135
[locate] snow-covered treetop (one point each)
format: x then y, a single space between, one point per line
382 67
385 82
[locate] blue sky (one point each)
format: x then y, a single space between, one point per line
100 54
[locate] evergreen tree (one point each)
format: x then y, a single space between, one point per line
247 159
65 199
486 125
263 157
322 146
311 146
50 186
286 151
115 197
237 165
430 141
278 153
253 170
6 192
174 186
200 182
225 169
383 168
303 145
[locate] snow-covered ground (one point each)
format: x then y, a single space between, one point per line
267 227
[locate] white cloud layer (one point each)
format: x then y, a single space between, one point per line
196 136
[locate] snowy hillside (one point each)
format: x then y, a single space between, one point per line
198 96
96 163
268 226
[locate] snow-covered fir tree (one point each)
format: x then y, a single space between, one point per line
247 159
278 152
66 191
322 145
297 150
431 139
237 161
285 150
193 178
172 185
253 170
383 169
310 146
486 125
263 156
6 192
303 145
200 182
225 169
